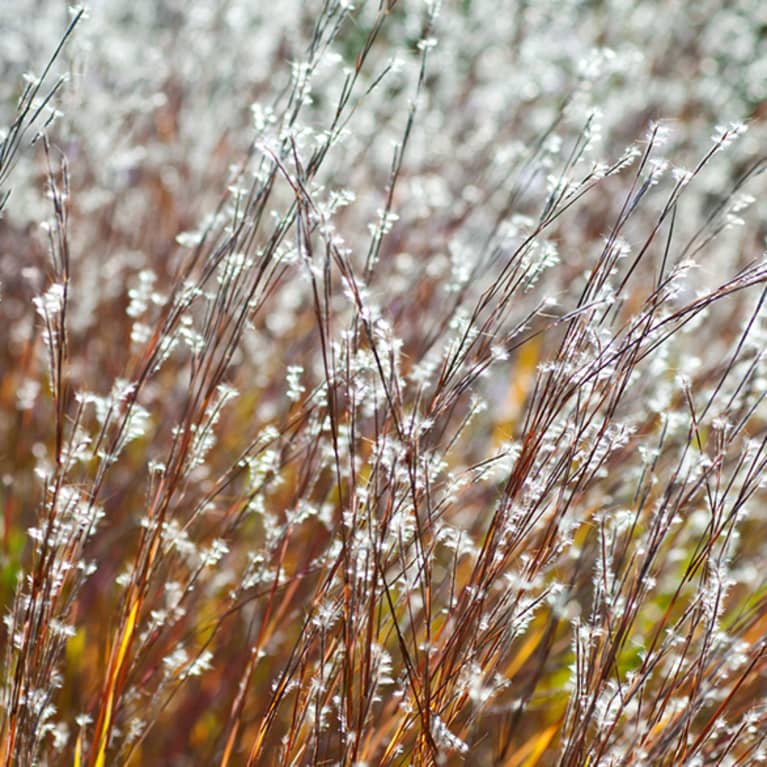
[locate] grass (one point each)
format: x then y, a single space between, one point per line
366 401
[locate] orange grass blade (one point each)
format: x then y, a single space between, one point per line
541 743
529 754
527 649
78 759
106 719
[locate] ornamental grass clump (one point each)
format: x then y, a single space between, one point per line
383 384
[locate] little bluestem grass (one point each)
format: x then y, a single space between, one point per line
383 384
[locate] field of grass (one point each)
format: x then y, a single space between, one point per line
383 383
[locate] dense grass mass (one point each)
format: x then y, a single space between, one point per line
383 383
